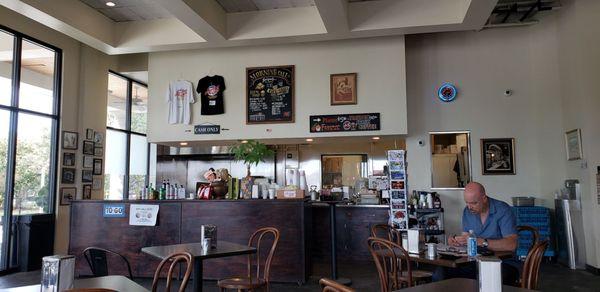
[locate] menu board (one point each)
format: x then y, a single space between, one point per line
345 123
398 196
270 94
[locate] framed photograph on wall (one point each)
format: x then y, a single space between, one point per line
98 138
98 151
97 166
573 144
88 147
68 159
70 140
67 195
97 183
87 192
88 161
342 88
67 175
86 176
498 156
89 134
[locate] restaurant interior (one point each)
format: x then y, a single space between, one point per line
299 145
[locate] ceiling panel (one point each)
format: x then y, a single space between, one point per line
232 6
129 10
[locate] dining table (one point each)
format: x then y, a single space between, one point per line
447 261
117 283
456 284
222 249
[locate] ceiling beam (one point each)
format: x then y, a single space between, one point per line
334 14
205 17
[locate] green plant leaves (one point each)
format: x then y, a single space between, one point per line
252 152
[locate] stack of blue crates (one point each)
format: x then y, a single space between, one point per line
538 217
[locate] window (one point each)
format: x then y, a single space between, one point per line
29 113
127 149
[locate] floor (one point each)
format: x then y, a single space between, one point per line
364 277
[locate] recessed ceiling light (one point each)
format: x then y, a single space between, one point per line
183 143
309 140
376 138
244 141
110 4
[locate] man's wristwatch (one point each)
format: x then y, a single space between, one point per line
485 243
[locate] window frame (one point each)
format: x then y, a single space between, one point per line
128 132
14 111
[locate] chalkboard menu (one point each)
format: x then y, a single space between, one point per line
270 94
345 123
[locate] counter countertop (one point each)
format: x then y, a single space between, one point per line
313 203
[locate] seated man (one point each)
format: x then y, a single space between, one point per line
494 224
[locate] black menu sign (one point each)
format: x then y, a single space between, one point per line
345 123
270 94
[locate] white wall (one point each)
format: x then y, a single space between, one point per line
482 65
381 86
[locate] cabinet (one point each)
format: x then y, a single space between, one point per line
444 174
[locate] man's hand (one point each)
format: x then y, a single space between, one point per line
458 240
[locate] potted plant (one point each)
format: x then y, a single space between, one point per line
251 152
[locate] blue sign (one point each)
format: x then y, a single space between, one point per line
114 210
447 92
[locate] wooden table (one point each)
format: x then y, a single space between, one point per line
117 283
456 284
447 262
223 249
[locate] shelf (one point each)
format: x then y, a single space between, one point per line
441 210
434 232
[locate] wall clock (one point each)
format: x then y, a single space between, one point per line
447 92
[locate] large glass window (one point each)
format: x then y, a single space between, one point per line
29 115
126 144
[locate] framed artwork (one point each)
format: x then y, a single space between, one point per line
98 137
67 175
89 134
573 144
498 156
98 151
342 88
270 95
87 192
70 140
88 147
67 195
97 183
97 166
86 176
68 159
88 161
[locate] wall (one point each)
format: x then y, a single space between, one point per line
381 86
482 65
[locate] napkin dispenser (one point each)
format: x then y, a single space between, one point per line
414 241
58 272
209 231
490 274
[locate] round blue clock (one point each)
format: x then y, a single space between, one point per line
447 92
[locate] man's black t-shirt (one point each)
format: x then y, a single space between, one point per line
211 90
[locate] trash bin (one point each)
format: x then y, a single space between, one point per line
35 239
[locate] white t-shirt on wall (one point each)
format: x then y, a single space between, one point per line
180 95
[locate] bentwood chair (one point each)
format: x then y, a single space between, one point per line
90 290
531 268
255 277
174 259
97 259
393 264
535 235
329 285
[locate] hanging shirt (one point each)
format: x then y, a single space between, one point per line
180 95
211 90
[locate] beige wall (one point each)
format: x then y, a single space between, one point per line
379 63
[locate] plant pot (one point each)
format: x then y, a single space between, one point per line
219 189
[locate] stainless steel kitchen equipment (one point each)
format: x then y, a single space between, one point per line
569 226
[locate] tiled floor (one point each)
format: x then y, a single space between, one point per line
553 278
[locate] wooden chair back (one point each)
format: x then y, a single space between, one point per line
386 232
329 285
534 234
254 260
97 259
174 259
531 268
391 261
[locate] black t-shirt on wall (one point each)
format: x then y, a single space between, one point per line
211 90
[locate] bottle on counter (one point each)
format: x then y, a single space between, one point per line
181 193
472 245
163 191
143 193
437 203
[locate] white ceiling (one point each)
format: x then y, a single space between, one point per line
135 26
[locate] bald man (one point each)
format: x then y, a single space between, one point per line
494 225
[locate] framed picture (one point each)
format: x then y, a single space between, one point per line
342 88
87 192
88 161
270 95
67 175
68 159
98 137
67 195
498 156
97 183
573 144
89 134
88 147
70 140
98 151
86 176
97 166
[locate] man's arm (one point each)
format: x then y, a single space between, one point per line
508 243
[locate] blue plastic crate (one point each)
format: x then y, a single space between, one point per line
538 217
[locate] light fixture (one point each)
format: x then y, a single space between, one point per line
110 4
376 138
309 140
244 141
183 143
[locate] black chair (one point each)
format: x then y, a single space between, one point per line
96 258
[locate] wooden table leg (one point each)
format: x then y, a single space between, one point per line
197 275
